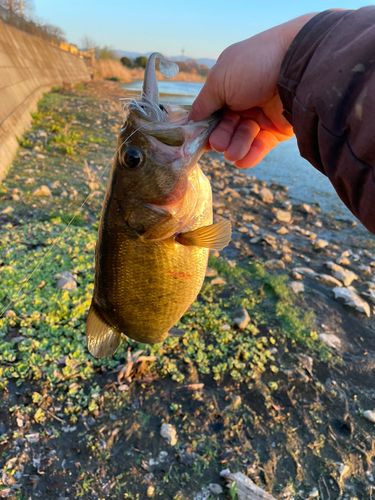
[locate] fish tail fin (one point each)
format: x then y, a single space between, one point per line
102 339
215 236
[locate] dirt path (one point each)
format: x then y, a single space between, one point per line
258 392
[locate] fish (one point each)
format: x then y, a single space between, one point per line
156 226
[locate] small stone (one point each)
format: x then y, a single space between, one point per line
218 281
211 272
270 240
319 244
344 275
242 319
66 281
7 210
215 489
42 191
283 216
352 299
306 271
297 287
343 261
331 340
169 433
328 280
314 493
307 209
150 491
266 195
369 415
275 264
282 230
33 437
236 402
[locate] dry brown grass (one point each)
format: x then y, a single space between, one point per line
109 68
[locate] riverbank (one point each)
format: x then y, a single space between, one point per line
269 374
113 69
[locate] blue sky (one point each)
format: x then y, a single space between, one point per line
203 28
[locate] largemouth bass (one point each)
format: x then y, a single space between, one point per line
156 226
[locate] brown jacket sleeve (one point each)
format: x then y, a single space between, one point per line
327 86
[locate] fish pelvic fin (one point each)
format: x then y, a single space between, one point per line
102 339
215 236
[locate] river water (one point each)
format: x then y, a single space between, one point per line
283 165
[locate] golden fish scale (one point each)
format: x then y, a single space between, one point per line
144 287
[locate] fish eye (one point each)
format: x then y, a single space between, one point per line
131 157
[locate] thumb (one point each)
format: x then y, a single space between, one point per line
206 103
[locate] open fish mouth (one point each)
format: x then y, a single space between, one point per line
168 124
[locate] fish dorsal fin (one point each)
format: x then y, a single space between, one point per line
216 236
102 339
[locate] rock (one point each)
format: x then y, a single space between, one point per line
331 340
215 489
343 261
218 281
314 493
42 191
344 275
242 319
8 210
366 270
275 264
150 491
246 488
283 216
66 281
352 299
266 195
282 230
306 271
297 287
33 437
307 209
169 433
306 362
319 244
328 280
370 415
211 272
270 240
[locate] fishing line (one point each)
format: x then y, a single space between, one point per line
55 241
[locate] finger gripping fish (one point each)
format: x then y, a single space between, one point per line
156 227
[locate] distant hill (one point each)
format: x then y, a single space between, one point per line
201 60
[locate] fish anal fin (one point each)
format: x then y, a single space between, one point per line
215 236
102 339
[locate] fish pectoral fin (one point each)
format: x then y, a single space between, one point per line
102 339
216 236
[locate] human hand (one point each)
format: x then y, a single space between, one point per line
244 83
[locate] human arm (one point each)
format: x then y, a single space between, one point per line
326 85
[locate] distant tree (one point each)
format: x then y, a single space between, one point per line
126 61
88 43
19 7
54 32
140 61
105 53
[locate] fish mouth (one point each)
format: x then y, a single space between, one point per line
170 125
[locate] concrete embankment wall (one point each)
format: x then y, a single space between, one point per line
29 67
